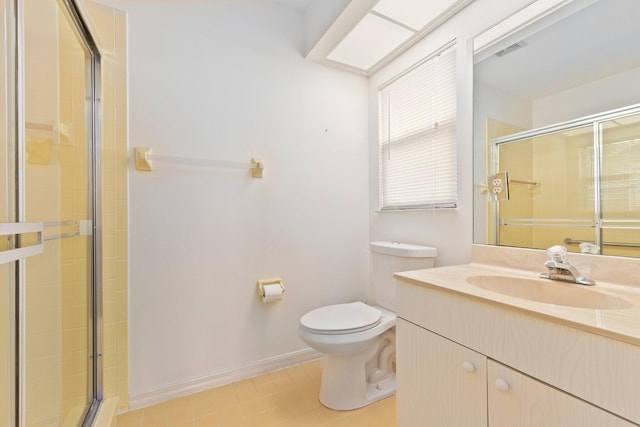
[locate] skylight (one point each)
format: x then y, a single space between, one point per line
389 27
372 39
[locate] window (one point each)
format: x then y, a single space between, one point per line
417 135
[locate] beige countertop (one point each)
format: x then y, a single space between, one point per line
618 323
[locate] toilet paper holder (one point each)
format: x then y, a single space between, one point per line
270 289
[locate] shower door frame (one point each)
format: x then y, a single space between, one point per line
74 11
595 121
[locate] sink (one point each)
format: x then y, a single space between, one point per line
549 292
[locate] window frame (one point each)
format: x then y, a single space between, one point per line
448 124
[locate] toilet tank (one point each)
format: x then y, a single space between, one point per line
391 257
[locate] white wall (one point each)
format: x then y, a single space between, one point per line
450 231
616 91
226 80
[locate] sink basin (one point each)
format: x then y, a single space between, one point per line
549 292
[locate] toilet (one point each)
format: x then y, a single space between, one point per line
358 340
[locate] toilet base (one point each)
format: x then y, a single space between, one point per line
345 387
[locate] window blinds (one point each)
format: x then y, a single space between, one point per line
417 136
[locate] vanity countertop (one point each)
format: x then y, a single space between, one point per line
618 323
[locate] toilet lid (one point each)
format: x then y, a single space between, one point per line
341 318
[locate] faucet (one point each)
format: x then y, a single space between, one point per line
560 268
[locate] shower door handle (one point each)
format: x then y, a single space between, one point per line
16 229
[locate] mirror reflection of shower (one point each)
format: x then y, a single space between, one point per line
582 69
585 193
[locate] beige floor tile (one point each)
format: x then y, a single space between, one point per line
314 368
266 388
155 421
214 420
309 419
262 379
204 403
209 420
245 390
297 373
130 419
286 398
225 395
256 406
180 411
155 410
282 380
269 418
230 413
328 416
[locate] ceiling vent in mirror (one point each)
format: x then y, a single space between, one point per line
512 48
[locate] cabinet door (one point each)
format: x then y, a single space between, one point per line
440 383
516 400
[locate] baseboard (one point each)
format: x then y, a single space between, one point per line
173 391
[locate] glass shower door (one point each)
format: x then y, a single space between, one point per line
58 310
620 186
550 189
48 108
8 343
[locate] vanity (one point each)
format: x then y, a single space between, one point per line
524 352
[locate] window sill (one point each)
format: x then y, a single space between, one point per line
418 208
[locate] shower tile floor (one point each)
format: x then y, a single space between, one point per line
287 398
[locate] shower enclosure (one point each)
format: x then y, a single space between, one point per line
569 183
50 351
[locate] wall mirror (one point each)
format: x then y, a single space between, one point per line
557 129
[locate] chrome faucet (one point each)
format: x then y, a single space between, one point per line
560 268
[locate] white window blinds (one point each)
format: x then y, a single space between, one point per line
417 136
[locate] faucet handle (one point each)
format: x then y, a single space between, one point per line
558 254
589 248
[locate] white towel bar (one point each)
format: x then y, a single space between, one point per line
143 158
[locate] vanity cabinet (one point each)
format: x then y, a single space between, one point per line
462 361
440 383
515 399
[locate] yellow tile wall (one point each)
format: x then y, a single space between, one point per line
495 129
6 333
563 165
109 26
44 314
515 158
73 166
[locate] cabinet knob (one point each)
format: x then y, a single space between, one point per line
469 366
502 384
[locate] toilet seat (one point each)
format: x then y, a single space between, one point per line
341 318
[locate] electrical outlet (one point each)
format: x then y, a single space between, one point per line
499 186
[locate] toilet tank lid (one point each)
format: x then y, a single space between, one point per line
405 250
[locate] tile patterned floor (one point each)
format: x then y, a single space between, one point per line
287 398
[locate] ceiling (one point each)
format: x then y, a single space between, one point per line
364 35
597 41
301 5
368 34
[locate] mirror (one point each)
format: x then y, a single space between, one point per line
557 117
